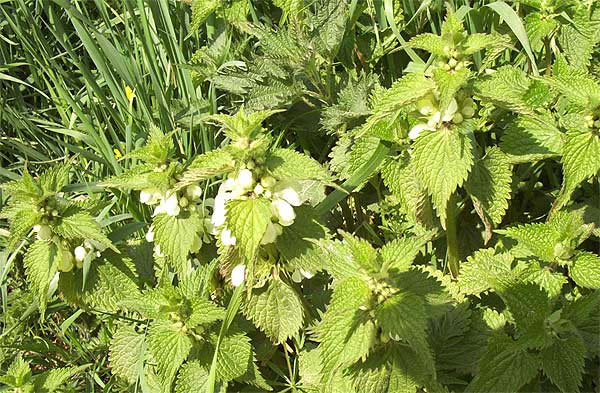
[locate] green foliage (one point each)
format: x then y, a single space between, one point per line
304 196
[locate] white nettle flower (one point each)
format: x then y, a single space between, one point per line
418 129
283 211
450 111
150 196
157 251
245 179
171 205
238 275
290 195
80 253
43 232
227 238
150 234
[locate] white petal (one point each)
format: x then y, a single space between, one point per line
296 276
80 253
227 238
238 274
150 235
306 274
283 210
417 129
245 179
145 195
158 210
157 251
290 196
218 217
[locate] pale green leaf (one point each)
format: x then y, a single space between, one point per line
169 346
286 163
433 152
126 352
175 235
247 220
585 270
277 310
41 262
532 138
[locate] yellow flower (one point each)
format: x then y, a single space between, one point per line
118 154
129 93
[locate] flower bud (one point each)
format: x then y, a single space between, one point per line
425 106
268 181
468 111
65 264
183 202
258 189
80 253
452 63
457 118
196 244
44 233
296 276
193 192
238 274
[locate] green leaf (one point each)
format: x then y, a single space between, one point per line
193 378
80 225
247 220
585 270
504 368
206 166
580 161
297 242
18 373
540 239
126 351
538 28
529 305
175 235
169 346
277 310
433 151
20 225
479 41
490 185
41 262
412 196
289 164
449 83
201 10
291 7
544 278
507 88
563 363
532 138
234 356
430 42
399 254
403 317
351 257
345 331
136 178
52 380
409 89
329 24
55 178
480 270
157 149
203 312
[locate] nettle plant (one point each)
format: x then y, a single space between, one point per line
473 271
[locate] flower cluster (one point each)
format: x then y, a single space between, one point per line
283 195
172 203
432 118
592 121
453 60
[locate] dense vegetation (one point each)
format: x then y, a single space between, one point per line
299 196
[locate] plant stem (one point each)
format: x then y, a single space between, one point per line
289 366
451 238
